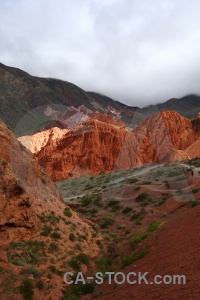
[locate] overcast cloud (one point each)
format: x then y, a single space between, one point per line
138 52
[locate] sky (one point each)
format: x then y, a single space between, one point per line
139 52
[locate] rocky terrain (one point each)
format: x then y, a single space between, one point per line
40 237
96 146
149 220
29 104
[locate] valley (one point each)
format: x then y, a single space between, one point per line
90 184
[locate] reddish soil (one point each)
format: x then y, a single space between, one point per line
174 250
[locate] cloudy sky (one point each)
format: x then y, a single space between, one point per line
136 51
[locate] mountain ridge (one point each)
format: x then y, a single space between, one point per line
43 101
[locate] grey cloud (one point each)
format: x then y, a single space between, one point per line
138 52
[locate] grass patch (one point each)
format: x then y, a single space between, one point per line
136 256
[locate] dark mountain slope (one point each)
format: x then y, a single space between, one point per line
29 104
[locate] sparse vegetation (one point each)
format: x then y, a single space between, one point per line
136 256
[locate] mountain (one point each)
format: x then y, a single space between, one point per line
95 146
38 232
29 104
188 106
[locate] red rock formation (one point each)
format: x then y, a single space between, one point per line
107 119
26 191
92 147
96 146
29 203
158 139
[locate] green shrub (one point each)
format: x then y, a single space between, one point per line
135 216
127 209
137 188
82 289
121 226
93 211
138 221
88 187
72 237
136 256
194 203
74 263
154 226
55 271
146 182
53 219
162 201
104 264
27 289
115 208
40 285
53 247
138 239
55 235
86 200
67 212
46 230
98 242
32 270
195 191
142 197
97 199
67 296
83 258
132 180
113 202
108 221
44 180
128 230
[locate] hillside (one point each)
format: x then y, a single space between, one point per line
38 232
28 103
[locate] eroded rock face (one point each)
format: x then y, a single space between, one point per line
158 139
91 148
26 192
97 146
35 224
